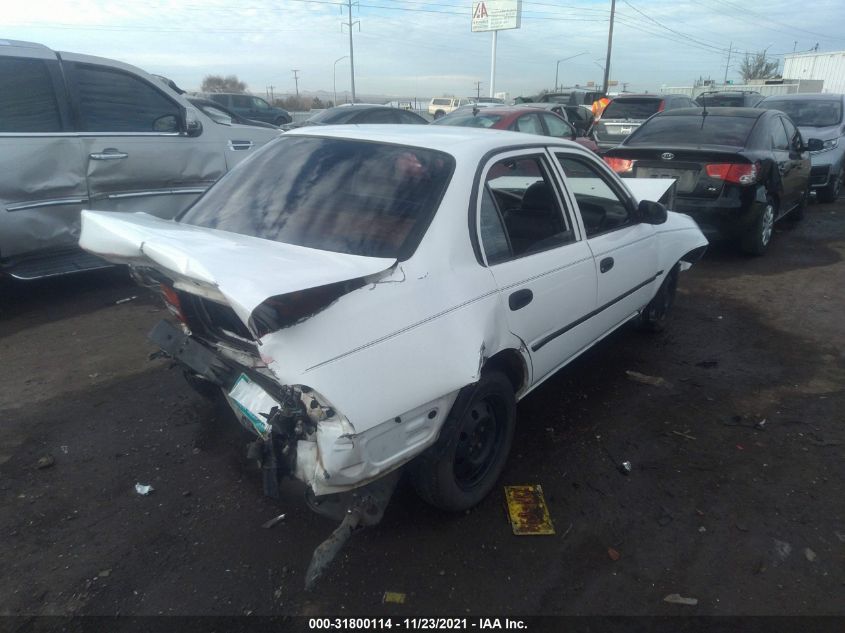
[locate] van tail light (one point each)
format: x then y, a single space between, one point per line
171 300
737 173
619 165
662 105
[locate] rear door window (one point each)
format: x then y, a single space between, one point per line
632 108
27 99
356 197
111 100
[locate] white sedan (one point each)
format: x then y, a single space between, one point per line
373 297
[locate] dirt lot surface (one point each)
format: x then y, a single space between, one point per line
736 495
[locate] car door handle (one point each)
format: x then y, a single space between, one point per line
606 264
520 299
108 154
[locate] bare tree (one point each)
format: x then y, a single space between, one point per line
757 67
219 83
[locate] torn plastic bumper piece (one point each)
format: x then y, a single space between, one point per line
359 508
185 350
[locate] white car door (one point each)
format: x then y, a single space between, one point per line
625 249
543 267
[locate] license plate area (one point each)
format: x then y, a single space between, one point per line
684 178
252 403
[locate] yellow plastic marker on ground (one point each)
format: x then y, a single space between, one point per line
393 597
528 512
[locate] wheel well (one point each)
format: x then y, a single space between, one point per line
511 364
694 255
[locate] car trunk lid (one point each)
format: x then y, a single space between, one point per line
229 269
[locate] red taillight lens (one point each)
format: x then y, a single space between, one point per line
171 300
619 165
662 105
737 173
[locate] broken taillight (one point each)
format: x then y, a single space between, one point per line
737 173
171 300
619 165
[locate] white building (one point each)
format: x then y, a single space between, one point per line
829 67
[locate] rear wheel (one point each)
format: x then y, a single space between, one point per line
655 315
468 457
439 114
756 241
831 192
798 212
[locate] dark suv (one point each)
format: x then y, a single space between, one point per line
729 98
626 113
250 107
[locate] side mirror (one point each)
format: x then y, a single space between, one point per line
652 212
193 126
814 145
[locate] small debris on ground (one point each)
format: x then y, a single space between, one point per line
809 554
782 550
676 598
64 449
45 461
105 573
686 435
393 597
613 554
840 536
707 364
625 468
654 381
143 489
702 529
761 425
273 521
126 300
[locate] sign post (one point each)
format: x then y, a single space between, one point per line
495 16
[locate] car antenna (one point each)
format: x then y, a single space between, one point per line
704 112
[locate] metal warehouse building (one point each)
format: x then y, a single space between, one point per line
829 67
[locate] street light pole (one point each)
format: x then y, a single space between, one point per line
557 65
334 76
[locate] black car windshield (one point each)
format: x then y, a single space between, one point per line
810 113
469 120
732 131
632 108
346 196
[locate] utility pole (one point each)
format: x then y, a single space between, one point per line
349 24
296 79
478 89
728 65
609 47
271 97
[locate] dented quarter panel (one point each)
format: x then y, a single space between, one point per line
44 179
676 237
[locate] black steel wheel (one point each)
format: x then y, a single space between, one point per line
459 470
654 316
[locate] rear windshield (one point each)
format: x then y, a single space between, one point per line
631 108
470 120
334 116
810 113
721 101
694 130
339 195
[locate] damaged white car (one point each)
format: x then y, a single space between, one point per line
374 297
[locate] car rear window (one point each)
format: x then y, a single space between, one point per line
631 108
470 120
721 101
810 113
334 116
693 130
355 197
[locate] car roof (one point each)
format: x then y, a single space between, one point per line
748 113
503 109
807 96
458 141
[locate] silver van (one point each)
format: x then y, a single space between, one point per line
85 132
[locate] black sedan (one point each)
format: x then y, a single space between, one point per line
737 170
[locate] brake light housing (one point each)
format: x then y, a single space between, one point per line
736 173
171 301
620 165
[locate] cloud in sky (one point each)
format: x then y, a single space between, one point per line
425 48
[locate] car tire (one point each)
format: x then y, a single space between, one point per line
655 315
756 240
462 466
439 114
797 213
281 121
831 192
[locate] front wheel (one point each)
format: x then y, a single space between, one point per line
831 192
439 114
461 468
756 241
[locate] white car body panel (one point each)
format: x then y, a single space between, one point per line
391 356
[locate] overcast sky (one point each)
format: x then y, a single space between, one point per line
426 49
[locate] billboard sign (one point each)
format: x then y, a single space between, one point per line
495 15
